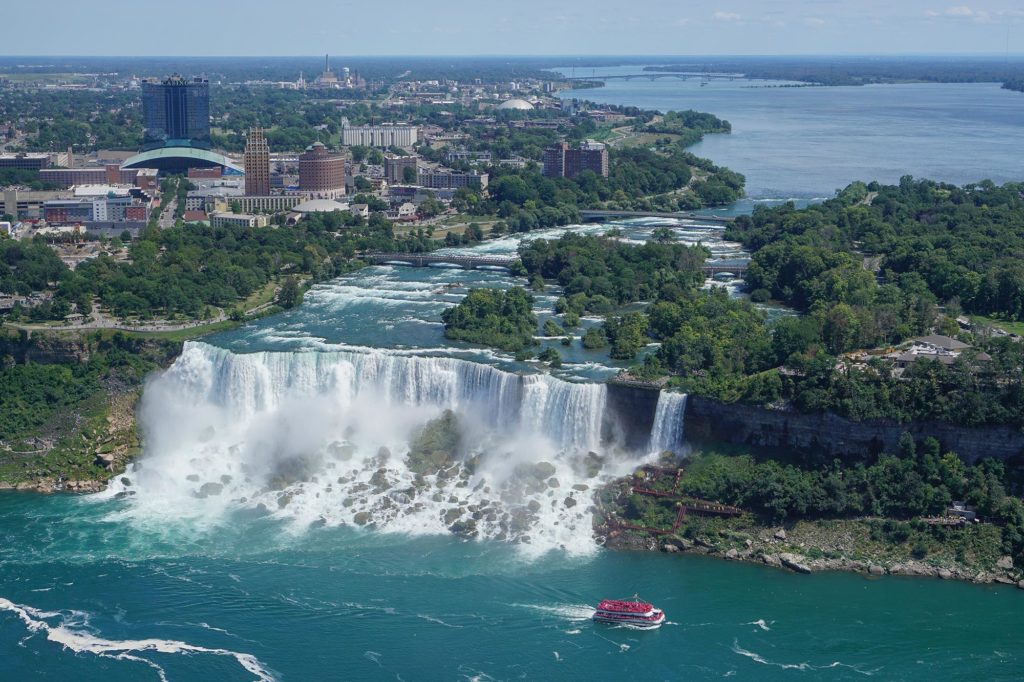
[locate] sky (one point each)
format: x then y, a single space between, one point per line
512 27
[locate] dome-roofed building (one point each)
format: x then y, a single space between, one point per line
516 104
319 206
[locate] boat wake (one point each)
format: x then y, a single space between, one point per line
570 612
757 658
71 633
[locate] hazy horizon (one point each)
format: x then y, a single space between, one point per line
529 28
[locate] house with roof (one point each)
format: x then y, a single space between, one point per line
935 347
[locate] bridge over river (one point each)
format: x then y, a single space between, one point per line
702 76
470 262
602 215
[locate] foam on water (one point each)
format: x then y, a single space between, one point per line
322 438
72 633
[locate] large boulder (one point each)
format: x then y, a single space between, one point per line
436 445
106 461
210 489
794 562
875 569
1005 563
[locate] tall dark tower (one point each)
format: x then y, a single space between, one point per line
176 113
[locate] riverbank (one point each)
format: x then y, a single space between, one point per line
938 548
654 510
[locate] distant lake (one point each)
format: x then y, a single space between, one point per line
807 142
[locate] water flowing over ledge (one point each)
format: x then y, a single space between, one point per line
323 438
667 433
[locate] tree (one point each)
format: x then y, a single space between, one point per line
409 175
290 294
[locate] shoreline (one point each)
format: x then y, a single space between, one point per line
788 550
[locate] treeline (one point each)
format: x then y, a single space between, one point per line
639 179
863 70
610 272
917 481
181 271
957 245
690 126
82 119
28 178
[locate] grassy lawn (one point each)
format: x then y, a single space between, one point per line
1013 327
261 296
644 139
181 334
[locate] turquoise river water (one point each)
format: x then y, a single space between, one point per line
273 530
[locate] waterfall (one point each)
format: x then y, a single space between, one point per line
325 438
669 419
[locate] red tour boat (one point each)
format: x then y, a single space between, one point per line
632 612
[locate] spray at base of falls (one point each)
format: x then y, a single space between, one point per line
669 419
322 438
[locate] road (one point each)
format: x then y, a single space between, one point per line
166 219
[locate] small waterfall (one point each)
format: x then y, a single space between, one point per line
669 419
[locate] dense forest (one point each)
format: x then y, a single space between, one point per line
493 317
961 246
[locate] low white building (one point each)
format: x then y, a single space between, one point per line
237 220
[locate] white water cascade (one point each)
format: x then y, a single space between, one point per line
669 419
322 438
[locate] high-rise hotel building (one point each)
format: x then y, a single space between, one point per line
257 164
176 113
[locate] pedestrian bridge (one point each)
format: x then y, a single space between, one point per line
468 262
600 216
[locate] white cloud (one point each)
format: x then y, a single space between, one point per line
726 16
959 11
682 21
814 21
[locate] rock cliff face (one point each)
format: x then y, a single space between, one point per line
629 415
835 436
52 349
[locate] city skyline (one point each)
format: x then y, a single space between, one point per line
535 28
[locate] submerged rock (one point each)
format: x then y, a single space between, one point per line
209 489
